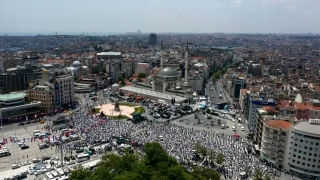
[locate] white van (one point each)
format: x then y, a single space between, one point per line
233 128
222 126
49 175
54 173
15 166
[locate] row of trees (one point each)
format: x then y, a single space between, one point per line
155 165
220 72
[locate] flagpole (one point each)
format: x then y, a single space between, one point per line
14 154
15 134
1 124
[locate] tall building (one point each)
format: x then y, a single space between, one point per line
64 90
273 143
239 83
44 94
302 156
17 79
152 39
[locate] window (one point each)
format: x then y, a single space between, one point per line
301 140
309 159
317 144
311 143
308 165
315 155
305 147
296 139
302 163
304 158
299 157
304 152
313 166
294 155
299 151
295 150
311 148
298 162
293 160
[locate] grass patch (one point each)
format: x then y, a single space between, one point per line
139 110
118 117
127 104
95 110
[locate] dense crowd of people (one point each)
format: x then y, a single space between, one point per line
178 141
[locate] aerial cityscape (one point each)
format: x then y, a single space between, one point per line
152 90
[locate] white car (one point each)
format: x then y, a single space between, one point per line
242 128
71 162
20 143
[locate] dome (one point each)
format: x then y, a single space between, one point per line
186 84
189 91
149 78
167 71
76 64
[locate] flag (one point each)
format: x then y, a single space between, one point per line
34 139
48 138
10 139
24 139
53 137
0 146
6 140
41 139
31 139
26 117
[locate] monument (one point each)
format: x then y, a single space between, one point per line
116 105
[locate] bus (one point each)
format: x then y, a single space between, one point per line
4 153
83 157
49 175
36 132
61 173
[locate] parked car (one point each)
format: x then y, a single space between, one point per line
24 146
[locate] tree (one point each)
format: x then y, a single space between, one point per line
266 177
123 83
102 114
80 173
104 70
205 173
155 165
219 121
211 156
139 80
120 78
220 158
208 111
257 175
141 75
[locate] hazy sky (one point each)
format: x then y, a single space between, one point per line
193 16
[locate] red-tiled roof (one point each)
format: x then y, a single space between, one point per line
280 124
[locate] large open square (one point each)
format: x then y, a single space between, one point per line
109 110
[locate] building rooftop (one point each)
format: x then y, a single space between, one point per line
109 54
279 124
151 93
305 126
12 96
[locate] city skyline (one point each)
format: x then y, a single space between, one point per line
190 16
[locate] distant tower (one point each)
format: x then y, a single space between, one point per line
152 39
161 60
56 33
261 68
186 85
